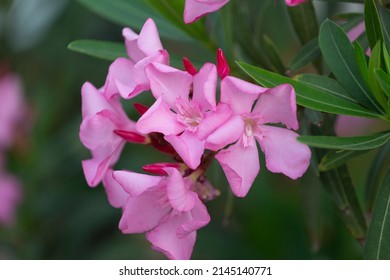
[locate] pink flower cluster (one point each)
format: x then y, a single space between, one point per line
11 112
187 122
196 9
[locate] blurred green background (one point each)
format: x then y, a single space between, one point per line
62 218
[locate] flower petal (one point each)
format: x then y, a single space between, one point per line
159 118
145 211
213 120
93 101
205 86
164 238
179 194
278 105
241 166
136 183
239 94
195 9
116 195
188 146
10 197
119 78
283 153
169 82
200 218
226 134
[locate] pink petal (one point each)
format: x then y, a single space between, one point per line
170 83
239 95
205 86
283 153
213 120
93 101
97 131
188 146
294 2
164 238
195 9
144 44
10 197
241 166
119 78
200 218
145 211
179 194
102 159
12 108
116 195
356 31
136 183
278 105
226 134
354 126
159 118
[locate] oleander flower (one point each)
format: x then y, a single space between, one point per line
185 110
126 76
10 198
103 131
166 208
294 2
195 9
12 108
283 153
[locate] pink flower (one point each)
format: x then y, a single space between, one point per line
185 110
10 197
283 153
295 2
195 9
11 108
103 120
127 76
347 126
165 208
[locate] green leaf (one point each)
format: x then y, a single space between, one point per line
339 55
304 20
347 143
308 96
380 165
373 25
361 60
383 80
386 58
308 53
385 21
273 55
134 14
334 159
325 84
375 63
100 49
378 238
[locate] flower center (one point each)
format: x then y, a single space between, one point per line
251 128
189 114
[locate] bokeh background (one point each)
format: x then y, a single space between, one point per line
60 217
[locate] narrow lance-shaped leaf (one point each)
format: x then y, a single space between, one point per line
383 80
385 21
347 143
373 25
375 63
339 55
100 49
378 238
380 165
308 96
334 159
361 61
305 55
